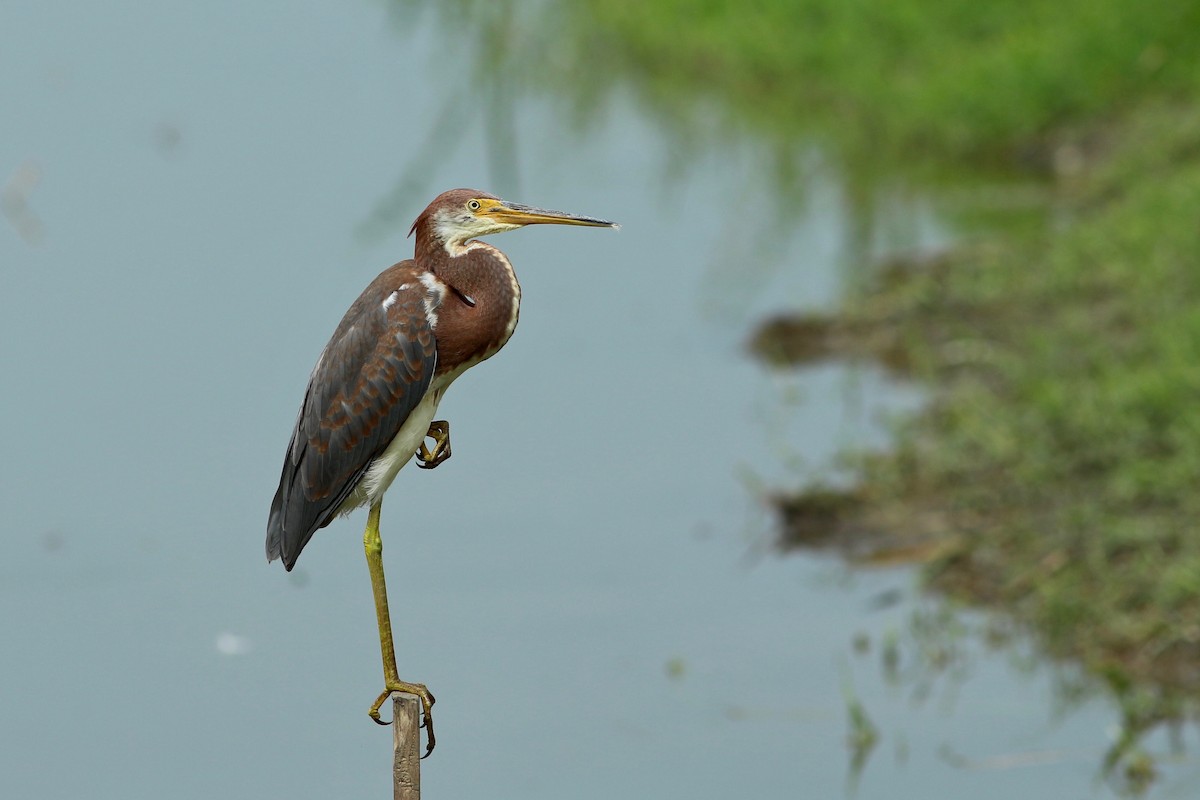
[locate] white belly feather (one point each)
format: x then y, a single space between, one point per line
383 470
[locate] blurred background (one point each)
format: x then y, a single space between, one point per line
857 464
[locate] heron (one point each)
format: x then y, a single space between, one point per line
372 397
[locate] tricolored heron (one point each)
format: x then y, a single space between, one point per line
372 397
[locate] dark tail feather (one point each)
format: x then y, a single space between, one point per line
275 529
294 518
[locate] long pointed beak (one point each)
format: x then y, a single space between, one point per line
517 214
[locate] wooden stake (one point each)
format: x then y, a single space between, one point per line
406 746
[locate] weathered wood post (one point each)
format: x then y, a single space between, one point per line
406 746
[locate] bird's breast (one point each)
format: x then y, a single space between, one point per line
479 310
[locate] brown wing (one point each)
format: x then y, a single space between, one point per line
369 378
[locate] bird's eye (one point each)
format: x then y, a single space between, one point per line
473 205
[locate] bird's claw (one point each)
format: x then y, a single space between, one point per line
427 700
439 431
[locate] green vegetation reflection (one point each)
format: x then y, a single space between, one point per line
1053 473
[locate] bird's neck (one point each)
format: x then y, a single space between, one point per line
482 302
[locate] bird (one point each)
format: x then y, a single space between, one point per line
372 398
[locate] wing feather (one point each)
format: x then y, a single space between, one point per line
375 370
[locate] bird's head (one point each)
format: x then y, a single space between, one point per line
458 215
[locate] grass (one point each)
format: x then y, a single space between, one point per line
946 79
1067 440
1057 464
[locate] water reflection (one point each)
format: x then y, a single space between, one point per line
852 523
883 210
936 656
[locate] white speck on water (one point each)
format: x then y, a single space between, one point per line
231 644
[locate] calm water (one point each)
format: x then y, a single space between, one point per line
587 585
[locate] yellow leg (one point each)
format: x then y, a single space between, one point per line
391 678
439 431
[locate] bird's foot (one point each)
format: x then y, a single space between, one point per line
439 431
427 701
